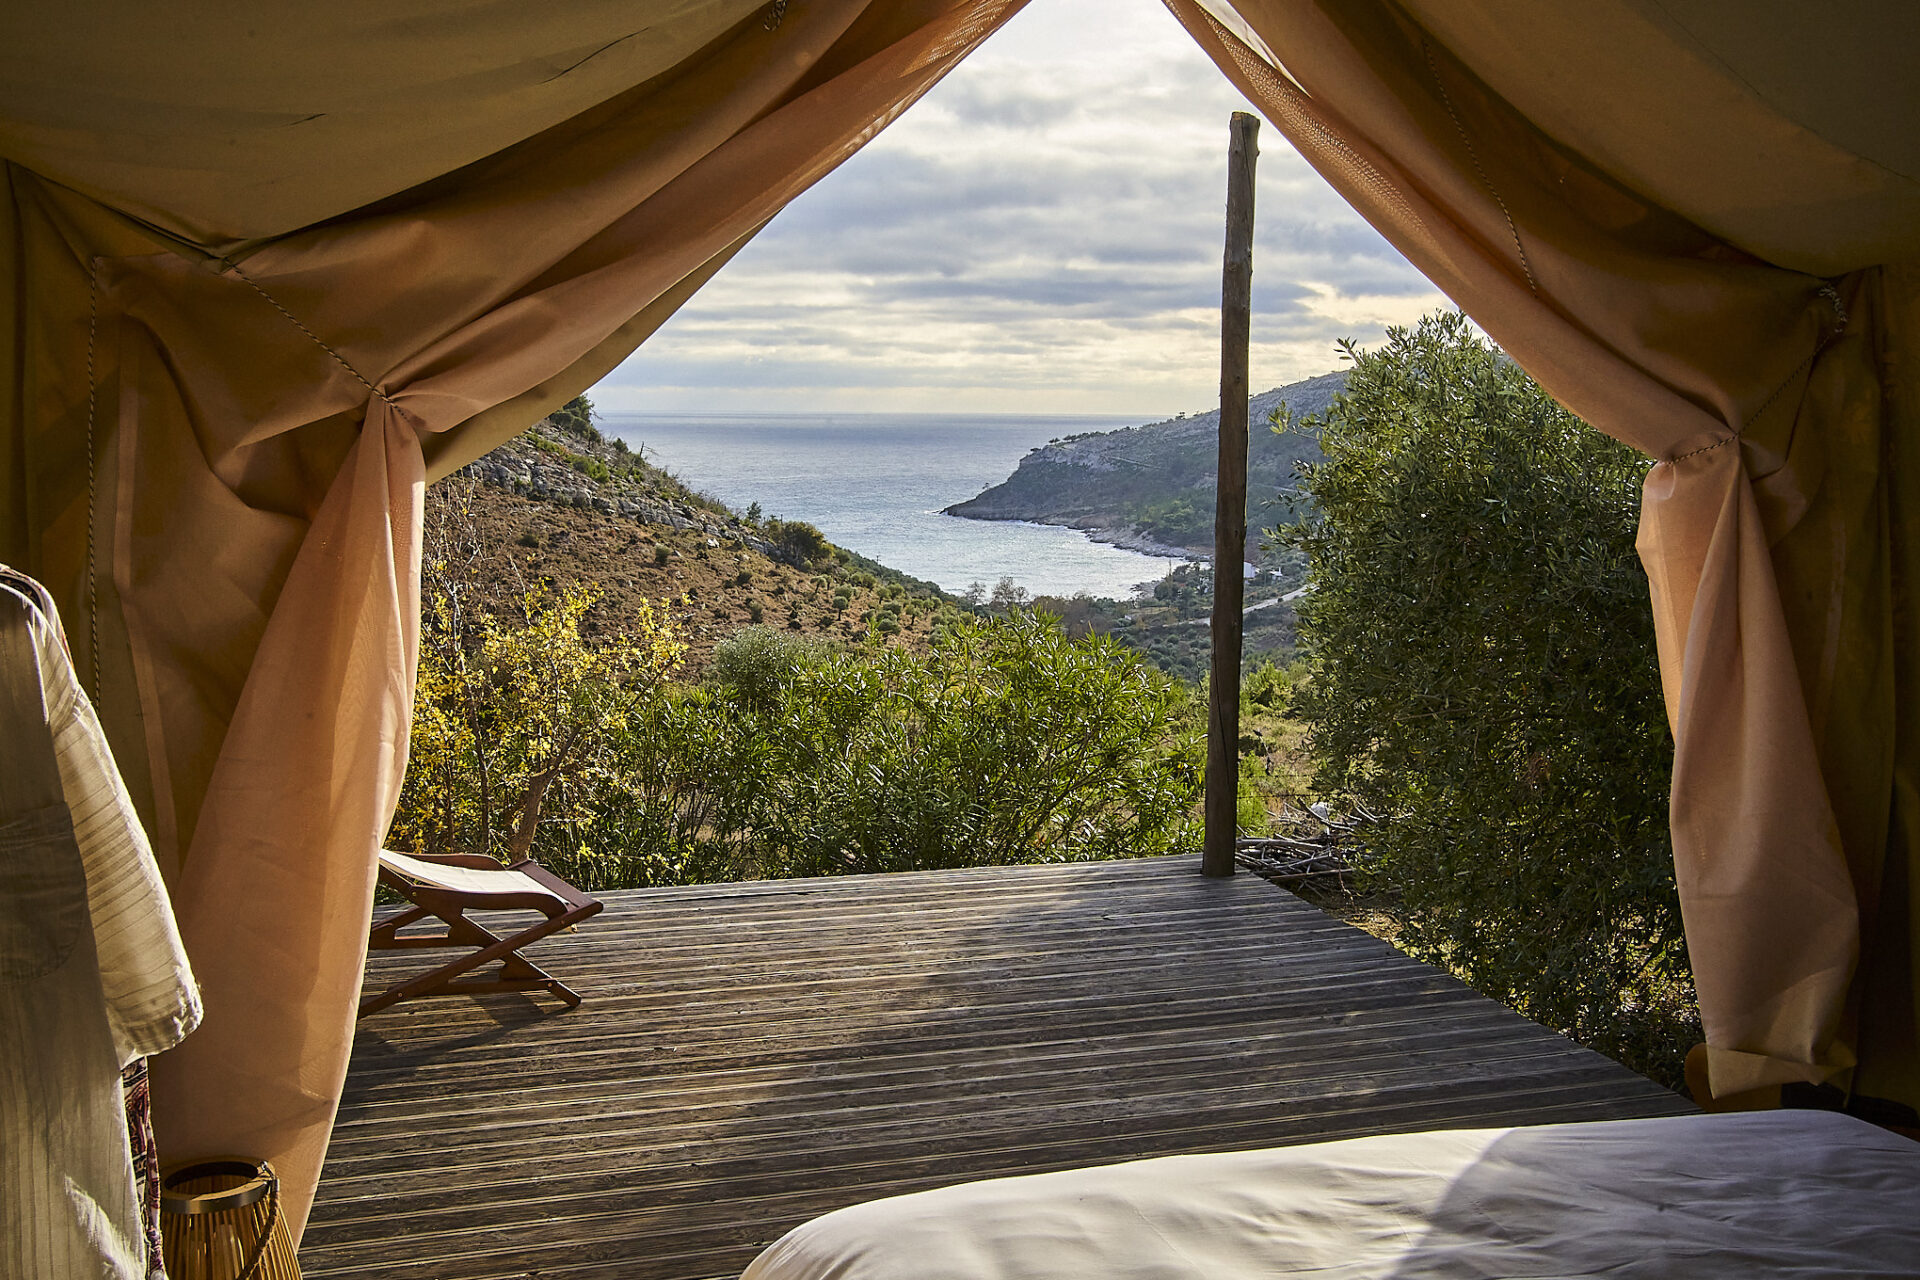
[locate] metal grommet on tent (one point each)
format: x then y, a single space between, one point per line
221 1220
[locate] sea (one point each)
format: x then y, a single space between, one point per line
875 483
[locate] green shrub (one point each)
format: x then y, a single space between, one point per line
1250 815
1483 679
577 415
676 804
797 543
1268 684
660 553
1006 743
755 664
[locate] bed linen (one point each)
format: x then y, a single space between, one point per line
1746 1196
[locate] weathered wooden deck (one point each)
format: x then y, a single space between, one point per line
752 1055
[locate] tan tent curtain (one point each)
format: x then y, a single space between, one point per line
261 288
1690 222
221 417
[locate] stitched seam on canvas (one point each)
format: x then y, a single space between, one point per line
1479 170
93 591
311 336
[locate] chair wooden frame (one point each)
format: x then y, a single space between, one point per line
562 905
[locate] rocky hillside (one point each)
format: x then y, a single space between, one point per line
561 505
1152 486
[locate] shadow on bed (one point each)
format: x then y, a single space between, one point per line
1802 1194
1776 1194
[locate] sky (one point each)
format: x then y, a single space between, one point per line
1040 234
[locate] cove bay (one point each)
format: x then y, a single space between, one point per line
876 483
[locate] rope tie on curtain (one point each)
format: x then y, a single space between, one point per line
1827 339
1473 154
1705 448
776 13
310 335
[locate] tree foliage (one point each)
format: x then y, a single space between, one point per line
577 414
756 664
1006 742
509 713
797 543
1483 679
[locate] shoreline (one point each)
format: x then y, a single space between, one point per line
1128 539
1135 541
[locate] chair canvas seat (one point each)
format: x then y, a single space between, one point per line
433 875
448 887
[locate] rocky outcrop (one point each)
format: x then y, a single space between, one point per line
1127 486
628 488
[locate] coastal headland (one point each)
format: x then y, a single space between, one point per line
1150 488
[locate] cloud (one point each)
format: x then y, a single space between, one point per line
1041 232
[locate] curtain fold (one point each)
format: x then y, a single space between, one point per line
257 419
275 895
1766 530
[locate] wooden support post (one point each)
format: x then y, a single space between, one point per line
1230 506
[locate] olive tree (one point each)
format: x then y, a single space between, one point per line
1483 686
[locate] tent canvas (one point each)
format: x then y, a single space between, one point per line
269 276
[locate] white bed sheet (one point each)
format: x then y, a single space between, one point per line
1726 1197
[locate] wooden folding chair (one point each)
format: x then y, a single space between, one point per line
447 887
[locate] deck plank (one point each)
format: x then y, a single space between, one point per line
752 1055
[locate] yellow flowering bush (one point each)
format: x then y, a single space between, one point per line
513 717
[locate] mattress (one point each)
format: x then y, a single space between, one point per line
1738 1196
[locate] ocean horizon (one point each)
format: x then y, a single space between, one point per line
875 483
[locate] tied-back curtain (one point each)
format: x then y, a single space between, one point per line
217 435
1701 247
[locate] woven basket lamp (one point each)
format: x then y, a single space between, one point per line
221 1220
